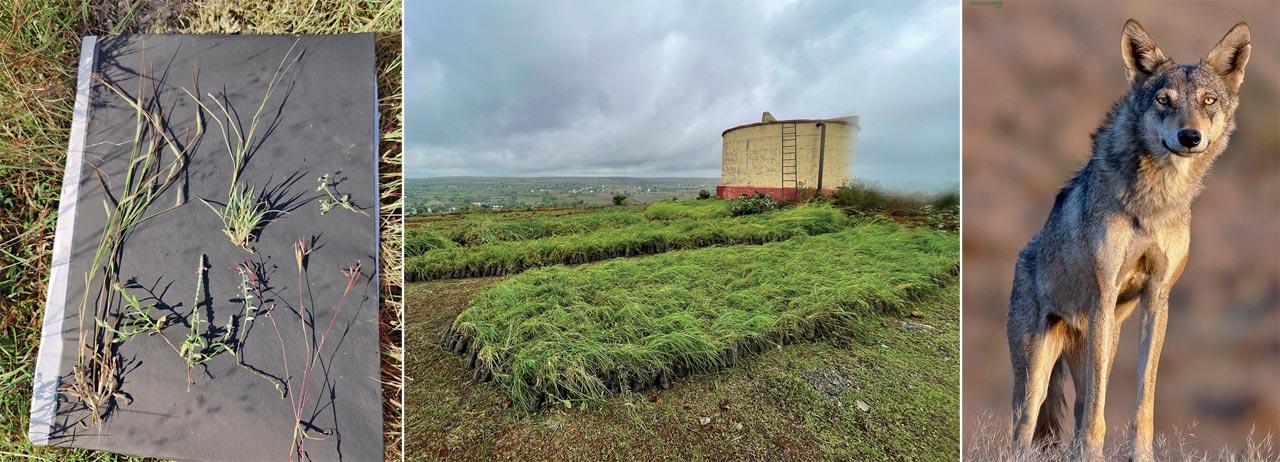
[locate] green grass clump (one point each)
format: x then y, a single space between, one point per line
242 215
572 335
421 240
673 210
486 229
645 238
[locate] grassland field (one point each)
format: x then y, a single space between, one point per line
783 335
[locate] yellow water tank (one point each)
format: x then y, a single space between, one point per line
781 158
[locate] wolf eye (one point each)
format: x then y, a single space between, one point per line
1209 100
1163 100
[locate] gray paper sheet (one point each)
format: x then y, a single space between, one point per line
321 120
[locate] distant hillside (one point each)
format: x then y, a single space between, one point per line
451 194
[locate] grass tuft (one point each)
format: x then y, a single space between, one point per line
242 216
483 229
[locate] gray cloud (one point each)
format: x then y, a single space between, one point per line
644 89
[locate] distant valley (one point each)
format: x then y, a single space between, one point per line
460 194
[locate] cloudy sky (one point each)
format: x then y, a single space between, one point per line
645 88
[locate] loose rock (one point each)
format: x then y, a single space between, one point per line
912 326
863 406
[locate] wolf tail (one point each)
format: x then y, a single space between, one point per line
1053 413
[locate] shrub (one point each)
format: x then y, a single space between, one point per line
703 194
860 197
949 200
750 205
864 198
906 205
619 199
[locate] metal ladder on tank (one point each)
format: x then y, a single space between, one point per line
790 162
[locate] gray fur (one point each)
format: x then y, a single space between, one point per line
1117 240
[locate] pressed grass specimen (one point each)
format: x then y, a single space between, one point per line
244 211
571 335
96 376
327 185
197 348
644 238
135 318
298 395
36 110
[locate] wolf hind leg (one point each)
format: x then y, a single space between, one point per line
1035 355
1053 412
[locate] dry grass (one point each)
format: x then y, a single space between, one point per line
38 49
989 440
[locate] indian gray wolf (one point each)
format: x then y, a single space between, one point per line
1116 241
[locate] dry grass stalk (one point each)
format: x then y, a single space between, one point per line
96 376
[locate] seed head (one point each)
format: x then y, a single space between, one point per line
300 252
352 273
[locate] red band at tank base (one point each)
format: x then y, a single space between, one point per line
778 194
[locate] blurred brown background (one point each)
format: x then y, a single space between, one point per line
1038 77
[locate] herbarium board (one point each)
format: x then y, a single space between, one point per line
214 293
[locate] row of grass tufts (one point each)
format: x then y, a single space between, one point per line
486 229
565 336
644 238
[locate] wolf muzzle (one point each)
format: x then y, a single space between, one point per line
1189 138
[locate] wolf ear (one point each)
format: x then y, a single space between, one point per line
1230 55
1141 55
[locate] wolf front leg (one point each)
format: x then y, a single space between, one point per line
1154 308
1155 313
1099 353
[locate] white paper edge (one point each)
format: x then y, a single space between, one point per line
45 381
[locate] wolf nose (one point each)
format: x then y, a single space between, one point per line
1189 138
